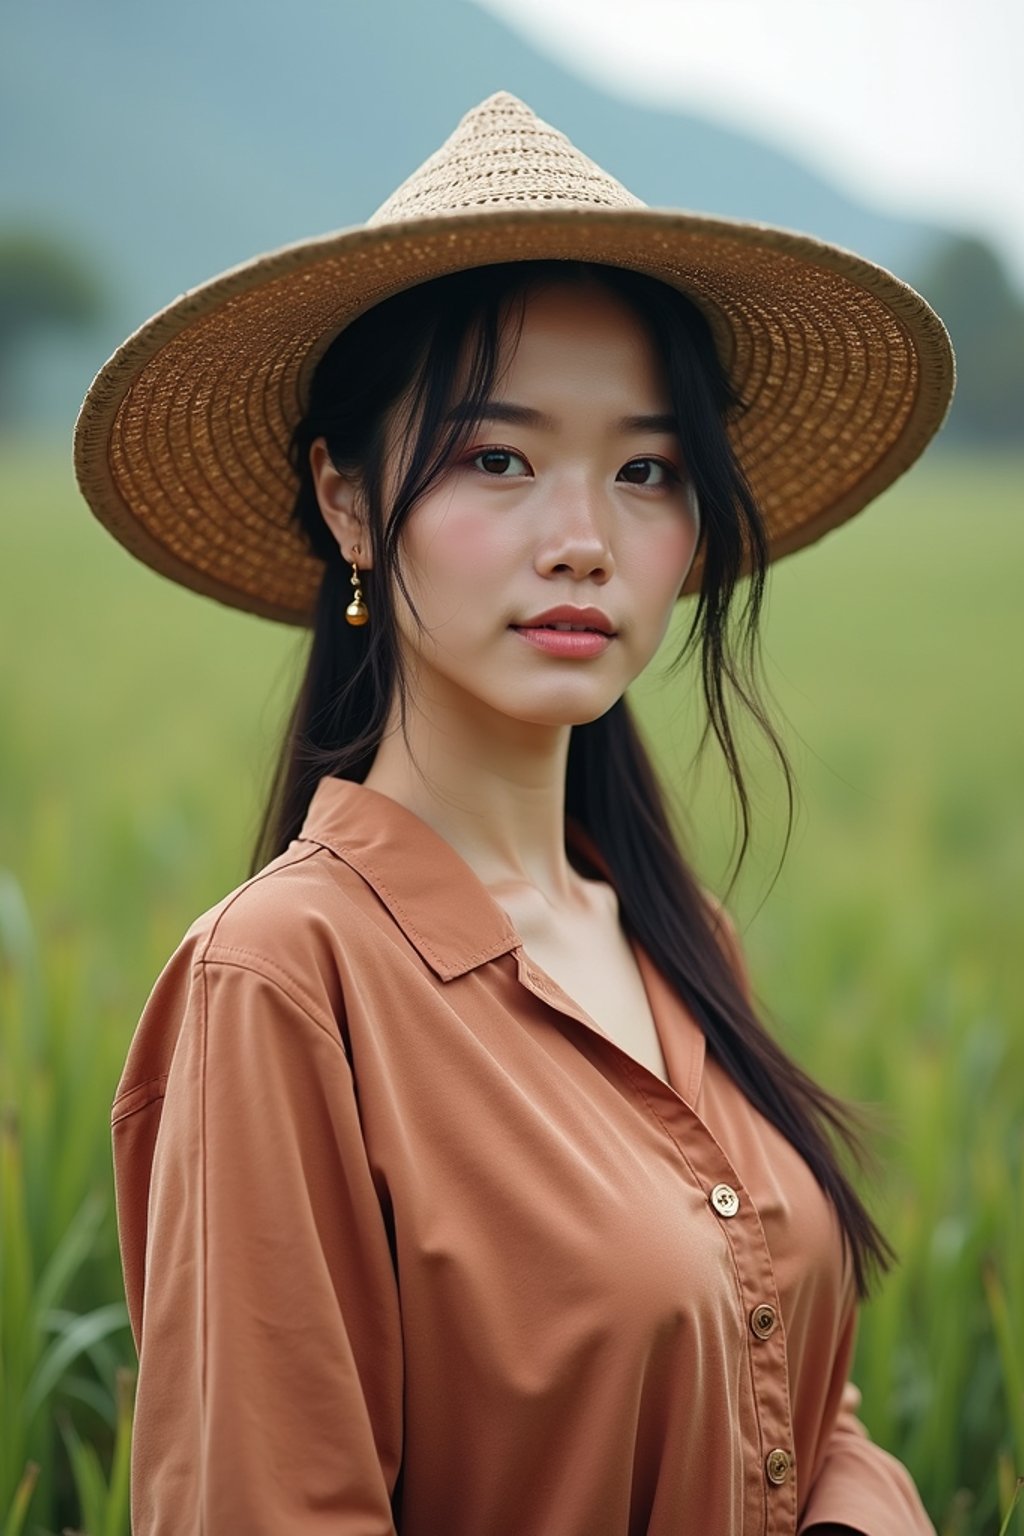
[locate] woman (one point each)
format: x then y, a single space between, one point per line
460 1189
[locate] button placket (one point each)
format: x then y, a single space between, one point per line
766 1348
706 1162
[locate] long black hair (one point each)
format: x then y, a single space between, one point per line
411 347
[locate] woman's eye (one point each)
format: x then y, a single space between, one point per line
497 461
638 472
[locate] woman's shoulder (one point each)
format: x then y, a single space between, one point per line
282 943
291 922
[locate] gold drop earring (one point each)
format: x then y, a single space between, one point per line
357 611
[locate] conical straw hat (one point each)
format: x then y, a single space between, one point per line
181 442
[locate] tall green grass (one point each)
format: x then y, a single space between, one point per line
138 723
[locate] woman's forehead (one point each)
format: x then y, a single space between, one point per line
561 342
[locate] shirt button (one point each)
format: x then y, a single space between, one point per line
777 1465
725 1200
763 1320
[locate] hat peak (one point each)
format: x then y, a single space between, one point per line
500 157
501 99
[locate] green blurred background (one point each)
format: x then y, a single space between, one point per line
139 721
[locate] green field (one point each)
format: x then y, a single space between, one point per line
138 725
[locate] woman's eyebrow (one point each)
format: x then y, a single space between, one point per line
525 416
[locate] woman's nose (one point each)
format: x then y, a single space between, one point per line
578 538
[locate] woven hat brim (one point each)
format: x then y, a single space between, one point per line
181 443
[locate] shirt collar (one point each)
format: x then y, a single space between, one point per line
437 899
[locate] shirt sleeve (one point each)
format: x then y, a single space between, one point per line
269 1395
861 1486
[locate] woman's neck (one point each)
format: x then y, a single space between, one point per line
494 789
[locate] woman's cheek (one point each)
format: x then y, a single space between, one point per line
464 546
456 555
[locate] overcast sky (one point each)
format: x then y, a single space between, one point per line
914 104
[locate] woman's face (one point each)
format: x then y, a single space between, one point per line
564 495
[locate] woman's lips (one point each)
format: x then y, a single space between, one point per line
566 642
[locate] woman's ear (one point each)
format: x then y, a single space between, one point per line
337 497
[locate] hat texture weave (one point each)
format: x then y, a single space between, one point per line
181 443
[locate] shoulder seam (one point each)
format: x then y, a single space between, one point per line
229 900
269 971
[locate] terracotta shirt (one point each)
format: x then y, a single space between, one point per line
410 1245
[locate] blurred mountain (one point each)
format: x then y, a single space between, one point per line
164 143
965 281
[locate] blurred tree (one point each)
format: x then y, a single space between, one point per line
968 285
43 283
